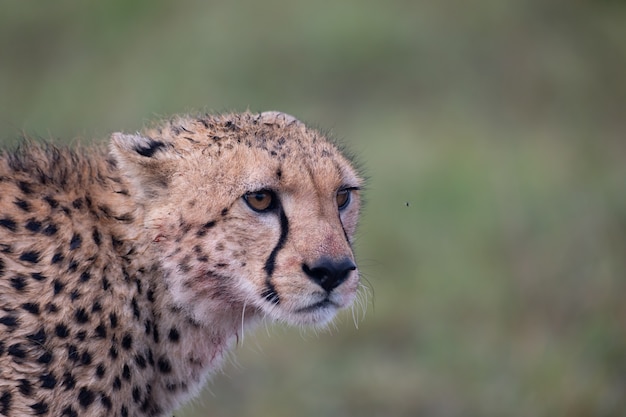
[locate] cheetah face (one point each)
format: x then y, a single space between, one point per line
249 213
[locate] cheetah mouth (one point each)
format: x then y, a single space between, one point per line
320 305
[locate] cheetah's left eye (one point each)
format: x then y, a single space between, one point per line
260 201
343 198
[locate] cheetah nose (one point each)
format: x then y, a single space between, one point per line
329 274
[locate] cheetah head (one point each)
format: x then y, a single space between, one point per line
253 213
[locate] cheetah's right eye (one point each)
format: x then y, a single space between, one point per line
260 201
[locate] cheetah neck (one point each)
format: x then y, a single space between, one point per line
185 349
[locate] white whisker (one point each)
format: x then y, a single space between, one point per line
243 315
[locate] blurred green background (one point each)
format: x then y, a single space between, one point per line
493 134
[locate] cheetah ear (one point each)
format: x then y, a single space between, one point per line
146 162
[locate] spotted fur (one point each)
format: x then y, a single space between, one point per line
126 275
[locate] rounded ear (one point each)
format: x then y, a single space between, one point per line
146 162
279 118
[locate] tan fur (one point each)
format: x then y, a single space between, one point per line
125 277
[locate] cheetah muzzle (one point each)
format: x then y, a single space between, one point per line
126 275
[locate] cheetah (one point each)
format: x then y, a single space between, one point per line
127 274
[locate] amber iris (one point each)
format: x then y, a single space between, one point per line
260 200
343 198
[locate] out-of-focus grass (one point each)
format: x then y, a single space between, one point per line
494 235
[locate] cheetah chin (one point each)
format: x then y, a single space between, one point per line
127 274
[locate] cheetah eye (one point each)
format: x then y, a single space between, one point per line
343 198
260 201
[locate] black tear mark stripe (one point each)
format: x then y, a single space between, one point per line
270 293
345 234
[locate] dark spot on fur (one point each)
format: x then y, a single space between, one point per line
75 242
72 353
8 223
95 235
136 312
9 321
141 361
124 218
17 351
69 382
22 204
203 229
25 187
69 412
38 276
224 211
73 265
127 341
85 397
150 148
155 334
52 202
126 372
139 286
113 319
147 327
38 338
101 331
18 282
173 335
113 352
164 365
50 230
31 256
85 358
46 358
61 330
32 308
117 243
33 225
184 267
48 381
85 276
77 204
136 394
58 286
5 402
81 316
105 400
100 371
51 308
39 408
56 258
25 387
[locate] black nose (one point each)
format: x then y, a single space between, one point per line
329 274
